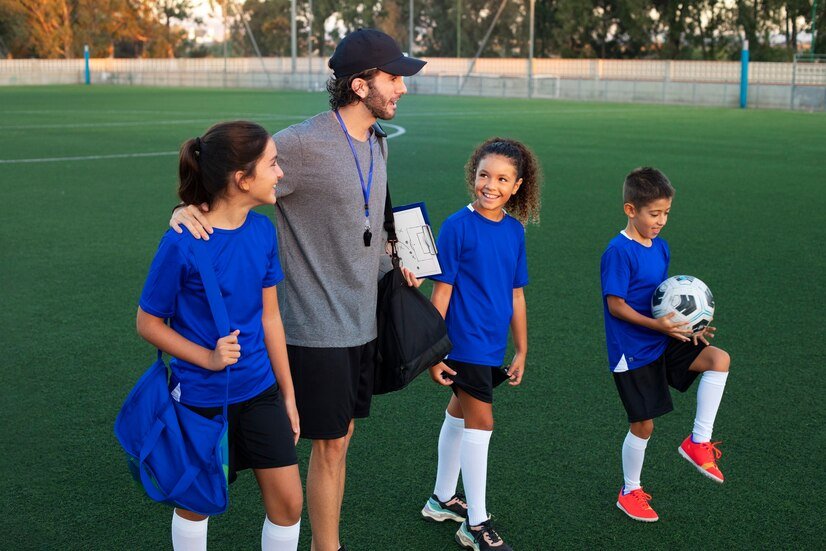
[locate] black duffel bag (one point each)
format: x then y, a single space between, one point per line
412 335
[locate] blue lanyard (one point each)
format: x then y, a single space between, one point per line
365 188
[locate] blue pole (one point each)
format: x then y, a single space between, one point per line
86 64
744 75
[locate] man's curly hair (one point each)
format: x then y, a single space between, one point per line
341 89
526 203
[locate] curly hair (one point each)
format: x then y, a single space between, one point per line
341 89
525 205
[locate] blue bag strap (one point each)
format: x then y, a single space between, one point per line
216 302
152 490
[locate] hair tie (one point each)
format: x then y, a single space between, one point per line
198 145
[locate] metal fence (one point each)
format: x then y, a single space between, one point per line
797 85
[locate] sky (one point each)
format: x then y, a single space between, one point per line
213 25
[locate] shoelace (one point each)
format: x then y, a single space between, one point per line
493 537
642 497
460 499
712 447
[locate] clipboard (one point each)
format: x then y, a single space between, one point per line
416 245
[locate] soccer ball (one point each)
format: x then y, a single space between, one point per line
689 298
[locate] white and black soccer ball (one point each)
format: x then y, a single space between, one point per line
689 298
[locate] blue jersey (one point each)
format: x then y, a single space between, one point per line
632 272
245 261
484 261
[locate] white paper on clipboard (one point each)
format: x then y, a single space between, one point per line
416 246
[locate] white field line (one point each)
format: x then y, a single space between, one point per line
131 123
398 132
269 116
87 157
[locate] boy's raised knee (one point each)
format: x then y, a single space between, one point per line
721 360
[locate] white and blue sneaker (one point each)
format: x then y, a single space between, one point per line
481 537
454 509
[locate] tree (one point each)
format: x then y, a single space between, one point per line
13 31
49 27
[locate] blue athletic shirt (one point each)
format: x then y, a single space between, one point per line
484 261
632 272
245 261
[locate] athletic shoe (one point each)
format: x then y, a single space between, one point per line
635 505
454 508
481 537
703 456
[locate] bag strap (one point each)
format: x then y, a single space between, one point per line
389 222
216 302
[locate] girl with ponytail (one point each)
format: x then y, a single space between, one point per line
233 168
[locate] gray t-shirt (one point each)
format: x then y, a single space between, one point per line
328 297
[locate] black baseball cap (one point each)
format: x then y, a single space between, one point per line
371 49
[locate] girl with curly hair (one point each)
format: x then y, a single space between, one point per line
480 294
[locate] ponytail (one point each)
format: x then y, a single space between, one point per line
191 188
207 163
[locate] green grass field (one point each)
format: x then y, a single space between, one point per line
78 236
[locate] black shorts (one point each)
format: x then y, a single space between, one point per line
333 386
475 379
644 391
259 433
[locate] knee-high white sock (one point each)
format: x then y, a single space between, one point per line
450 445
189 535
709 394
633 455
279 538
474 461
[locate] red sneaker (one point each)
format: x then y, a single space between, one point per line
703 456
635 505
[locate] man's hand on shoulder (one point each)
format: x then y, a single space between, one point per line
192 217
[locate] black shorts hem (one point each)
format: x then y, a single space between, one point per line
476 380
470 392
650 415
327 436
271 465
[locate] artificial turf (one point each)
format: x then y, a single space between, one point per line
78 236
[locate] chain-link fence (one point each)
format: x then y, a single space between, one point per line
798 85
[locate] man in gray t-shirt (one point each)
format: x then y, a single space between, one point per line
329 217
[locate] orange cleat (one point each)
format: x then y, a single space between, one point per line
703 456
635 505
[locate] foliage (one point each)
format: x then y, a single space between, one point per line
662 29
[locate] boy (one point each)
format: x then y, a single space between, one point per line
648 355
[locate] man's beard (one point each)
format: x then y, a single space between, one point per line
377 105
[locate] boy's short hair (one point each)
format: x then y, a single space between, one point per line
644 185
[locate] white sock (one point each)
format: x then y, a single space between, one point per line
709 394
633 455
450 445
279 538
474 461
188 535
